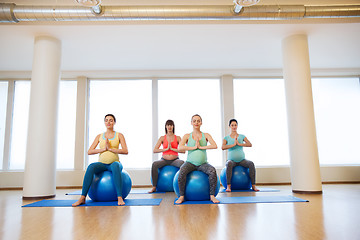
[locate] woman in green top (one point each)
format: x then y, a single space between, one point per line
234 143
196 145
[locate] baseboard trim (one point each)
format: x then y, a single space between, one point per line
307 192
38 198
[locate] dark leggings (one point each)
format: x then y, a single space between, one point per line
99 167
206 168
244 163
161 163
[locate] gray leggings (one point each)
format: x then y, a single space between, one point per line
206 168
245 163
161 163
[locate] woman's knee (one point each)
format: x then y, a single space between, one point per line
208 169
183 172
250 164
229 163
92 167
159 164
212 172
116 166
155 164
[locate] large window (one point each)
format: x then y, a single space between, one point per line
131 103
19 125
261 113
3 107
337 116
66 125
180 99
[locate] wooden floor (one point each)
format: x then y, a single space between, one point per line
335 214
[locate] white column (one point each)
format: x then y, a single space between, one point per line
305 169
40 166
9 112
227 105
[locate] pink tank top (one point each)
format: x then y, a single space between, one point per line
174 144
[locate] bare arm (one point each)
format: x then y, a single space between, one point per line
158 144
92 150
182 143
211 141
123 149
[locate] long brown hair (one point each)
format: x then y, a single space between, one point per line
170 122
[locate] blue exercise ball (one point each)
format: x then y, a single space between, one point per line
240 179
103 188
166 178
197 186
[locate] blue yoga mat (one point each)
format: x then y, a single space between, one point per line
250 190
78 192
133 191
248 199
143 191
90 203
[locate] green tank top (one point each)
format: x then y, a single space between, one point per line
235 153
197 156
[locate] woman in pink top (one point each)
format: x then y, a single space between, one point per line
170 152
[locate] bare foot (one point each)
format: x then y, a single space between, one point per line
213 199
228 188
79 202
121 201
254 188
180 200
152 190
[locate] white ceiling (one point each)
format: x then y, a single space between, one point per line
181 45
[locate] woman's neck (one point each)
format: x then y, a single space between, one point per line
170 134
196 131
233 133
110 130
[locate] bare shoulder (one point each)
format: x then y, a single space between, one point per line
161 139
207 135
96 140
186 136
121 135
